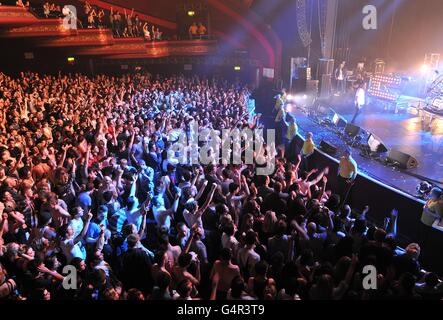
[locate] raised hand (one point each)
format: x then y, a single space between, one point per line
43 269
66 147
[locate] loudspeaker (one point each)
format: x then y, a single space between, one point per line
339 121
304 73
352 130
376 145
297 63
299 85
328 148
404 160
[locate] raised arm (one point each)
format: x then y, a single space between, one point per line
85 228
349 275
297 164
323 189
245 185
215 281
86 165
101 239
319 177
196 175
131 142
300 230
202 189
208 199
144 212
189 241
65 149
55 274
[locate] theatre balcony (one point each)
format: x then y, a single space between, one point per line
53 32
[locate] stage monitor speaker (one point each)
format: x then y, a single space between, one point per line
304 73
339 121
376 145
352 130
299 85
328 148
404 160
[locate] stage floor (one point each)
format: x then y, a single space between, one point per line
402 131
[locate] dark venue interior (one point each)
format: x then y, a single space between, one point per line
221 150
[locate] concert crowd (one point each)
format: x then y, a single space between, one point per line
92 207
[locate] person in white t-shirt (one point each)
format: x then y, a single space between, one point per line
71 246
193 214
360 100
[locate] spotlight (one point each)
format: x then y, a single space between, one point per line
237 68
191 13
424 68
305 96
289 97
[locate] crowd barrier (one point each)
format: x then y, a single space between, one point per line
382 199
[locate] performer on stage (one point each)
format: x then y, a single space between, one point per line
281 100
347 172
360 100
340 78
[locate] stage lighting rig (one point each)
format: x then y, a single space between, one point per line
380 86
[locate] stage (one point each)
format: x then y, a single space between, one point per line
404 131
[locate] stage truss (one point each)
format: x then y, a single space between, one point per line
434 96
